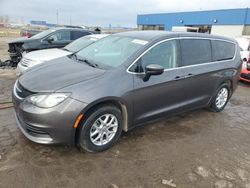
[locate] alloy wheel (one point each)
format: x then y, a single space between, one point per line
103 129
221 98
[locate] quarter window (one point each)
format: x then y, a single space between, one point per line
195 51
222 50
164 54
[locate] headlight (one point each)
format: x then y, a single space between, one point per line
47 100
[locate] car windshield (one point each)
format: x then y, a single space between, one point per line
43 34
80 43
111 51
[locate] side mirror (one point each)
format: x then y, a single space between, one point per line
152 69
50 40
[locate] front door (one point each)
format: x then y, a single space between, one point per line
162 93
58 39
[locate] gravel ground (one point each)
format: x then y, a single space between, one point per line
196 149
4 47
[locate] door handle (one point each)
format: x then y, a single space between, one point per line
183 76
179 78
189 75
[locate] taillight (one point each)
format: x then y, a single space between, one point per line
248 64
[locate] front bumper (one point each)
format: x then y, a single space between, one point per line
15 53
48 125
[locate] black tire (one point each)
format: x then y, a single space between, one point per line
213 106
84 141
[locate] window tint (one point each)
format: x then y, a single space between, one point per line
195 51
61 36
164 54
77 34
222 50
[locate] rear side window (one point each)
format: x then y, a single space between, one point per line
222 50
77 34
195 51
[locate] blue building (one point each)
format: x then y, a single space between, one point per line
229 22
42 23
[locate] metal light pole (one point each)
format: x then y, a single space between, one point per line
57 17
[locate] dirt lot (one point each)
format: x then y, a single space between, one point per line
197 149
3 48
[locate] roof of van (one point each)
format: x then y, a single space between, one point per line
71 29
154 35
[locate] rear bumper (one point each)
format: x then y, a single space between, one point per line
48 125
245 75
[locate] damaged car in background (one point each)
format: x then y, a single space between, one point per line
52 38
41 56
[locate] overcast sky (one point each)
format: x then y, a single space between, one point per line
105 12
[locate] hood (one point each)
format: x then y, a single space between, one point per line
22 40
57 74
46 55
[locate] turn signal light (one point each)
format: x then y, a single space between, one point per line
78 121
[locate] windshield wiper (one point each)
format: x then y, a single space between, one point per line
73 56
89 63
65 49
85 61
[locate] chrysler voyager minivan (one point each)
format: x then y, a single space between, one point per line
123 81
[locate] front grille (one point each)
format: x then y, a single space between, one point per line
20 92
15 52
34 130
245 76
12 48
25 62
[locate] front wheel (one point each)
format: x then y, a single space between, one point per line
101 129
221 98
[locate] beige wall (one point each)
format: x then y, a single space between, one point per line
227 30
246 30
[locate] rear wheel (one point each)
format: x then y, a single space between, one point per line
221 98
101 129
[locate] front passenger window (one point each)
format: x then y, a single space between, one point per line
164 54
60 36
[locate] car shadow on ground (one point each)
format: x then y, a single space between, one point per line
164 130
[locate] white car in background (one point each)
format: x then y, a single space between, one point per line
244 44
41 56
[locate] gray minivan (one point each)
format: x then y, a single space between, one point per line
122 81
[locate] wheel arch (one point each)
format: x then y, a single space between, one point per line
226 81
230 84
115 101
